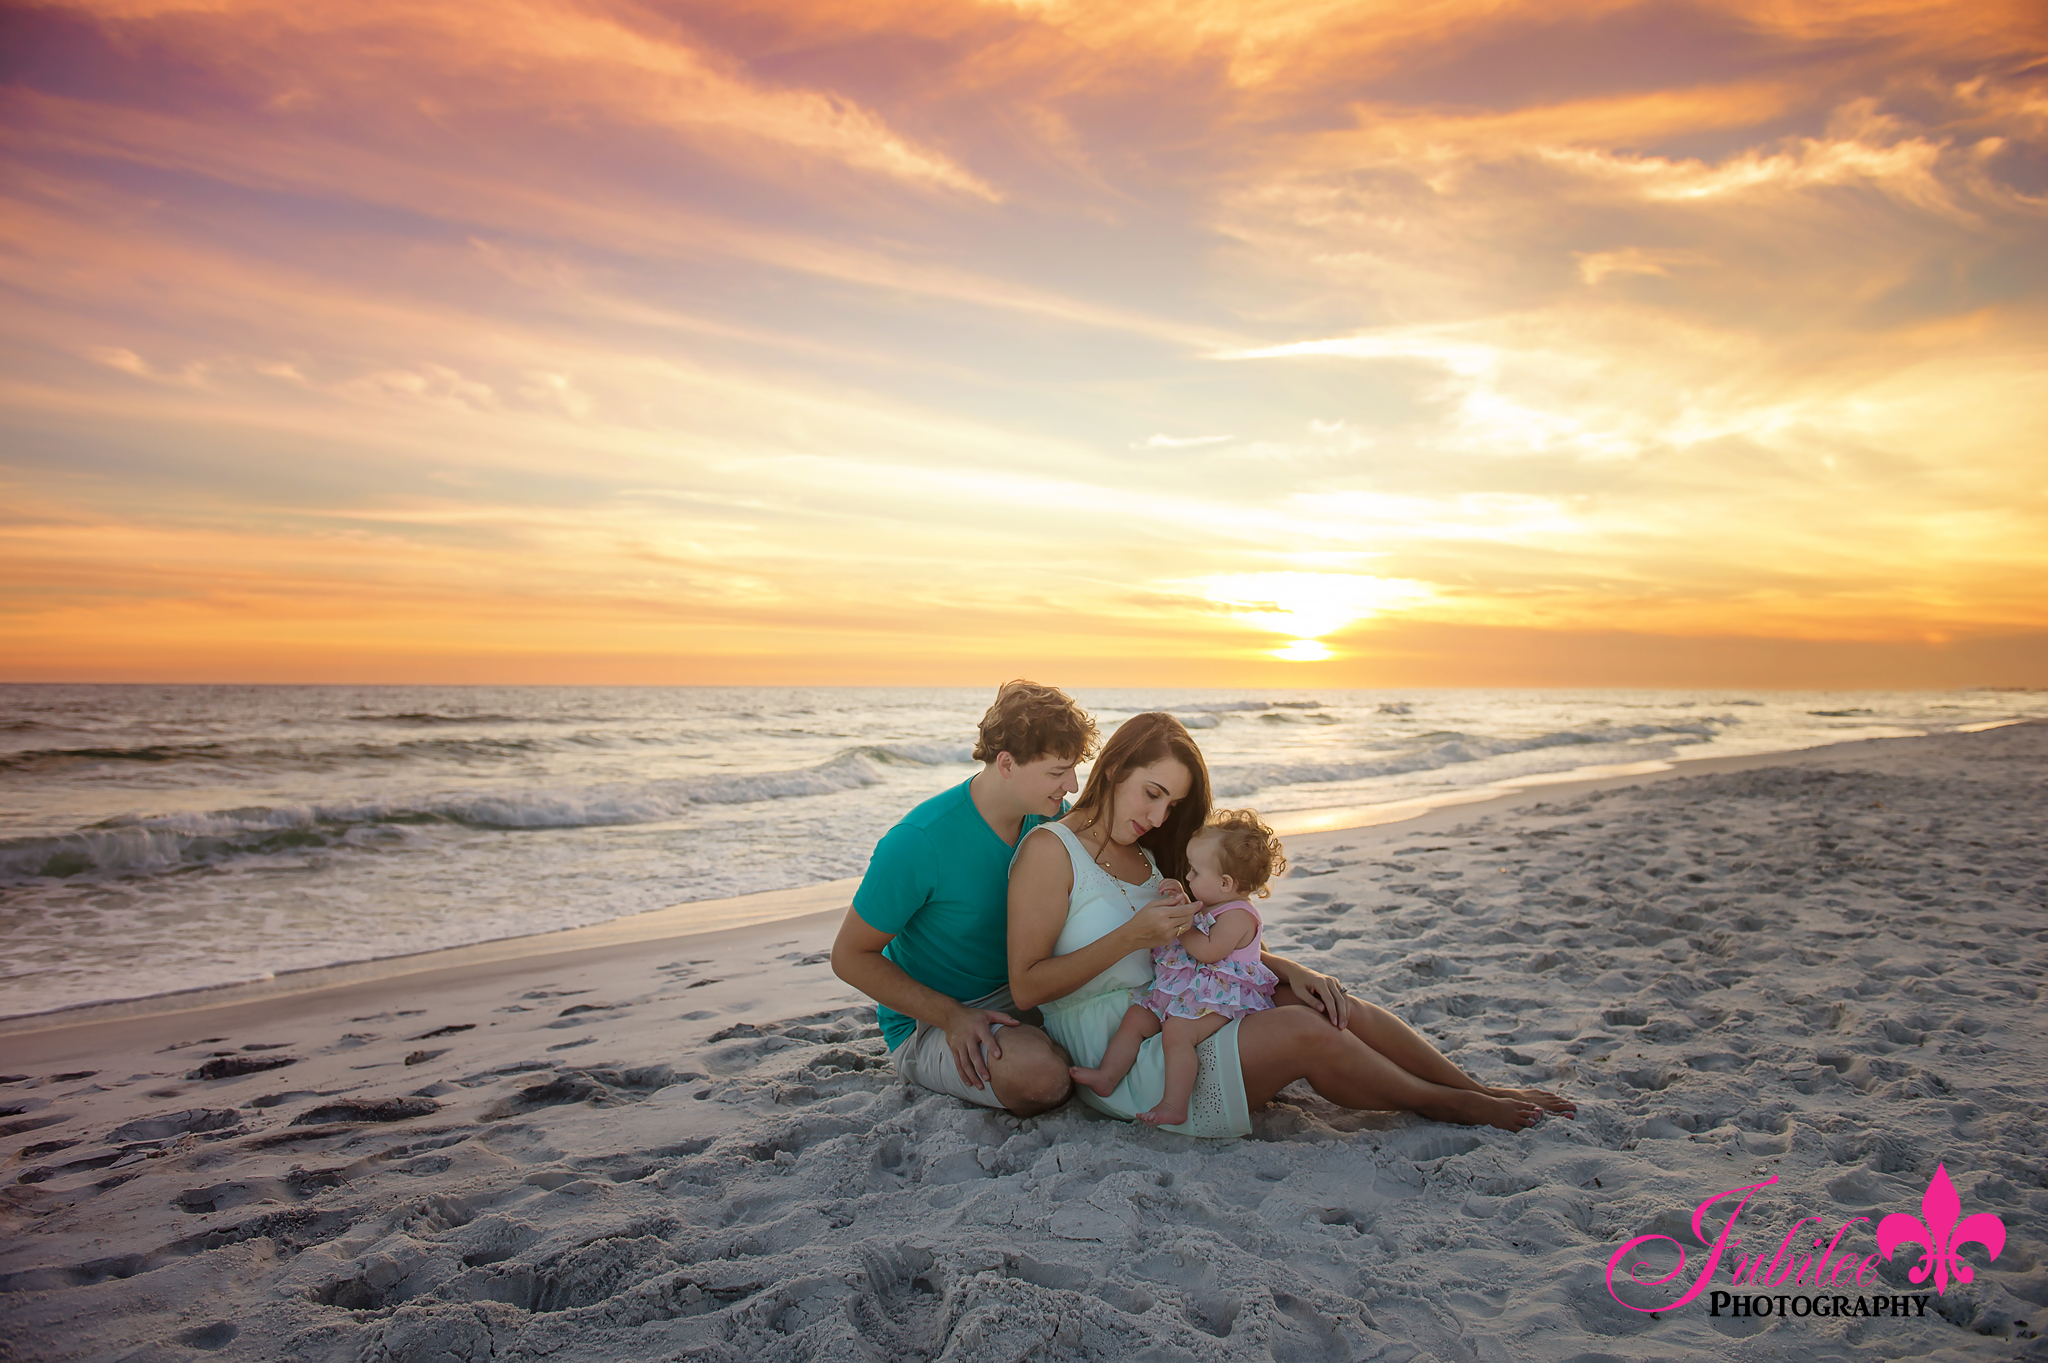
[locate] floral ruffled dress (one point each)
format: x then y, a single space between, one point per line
1184 987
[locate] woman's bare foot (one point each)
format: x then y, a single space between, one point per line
1466 1108
1095 1081
1163 1115
1543 1098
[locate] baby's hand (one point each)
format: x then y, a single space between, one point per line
1173 891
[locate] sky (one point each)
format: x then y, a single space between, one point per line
1439 342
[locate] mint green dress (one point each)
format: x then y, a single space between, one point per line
1084 1020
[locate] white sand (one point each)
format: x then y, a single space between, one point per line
1825 966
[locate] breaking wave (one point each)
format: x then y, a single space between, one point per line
151 844
1239 707
1446 749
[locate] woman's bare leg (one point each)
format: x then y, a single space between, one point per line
1183 1066
1277 1046
1120 1054
1406 1047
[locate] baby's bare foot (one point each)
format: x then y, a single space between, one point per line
1163 1115
1096 1081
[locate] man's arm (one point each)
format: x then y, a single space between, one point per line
971 1033
857 958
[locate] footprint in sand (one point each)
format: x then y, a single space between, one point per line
355 1110
235 1066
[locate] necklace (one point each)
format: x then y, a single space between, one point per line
1123 886
1102 858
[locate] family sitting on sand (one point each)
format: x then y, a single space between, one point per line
1017 947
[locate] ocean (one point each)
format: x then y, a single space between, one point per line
164 838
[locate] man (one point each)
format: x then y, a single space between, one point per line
927 935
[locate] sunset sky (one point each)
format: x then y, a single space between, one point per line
1458 342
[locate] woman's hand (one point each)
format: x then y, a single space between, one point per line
971 1036
1161 921
1319 991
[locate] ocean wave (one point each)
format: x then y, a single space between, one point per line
914 754
147 844
1241 707
158 754
1214 707
1446 748
153 753
442 747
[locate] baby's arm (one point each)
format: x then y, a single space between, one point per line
1234 929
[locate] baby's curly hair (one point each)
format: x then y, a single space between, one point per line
1246 850
1029 721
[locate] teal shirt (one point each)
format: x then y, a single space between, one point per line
940 881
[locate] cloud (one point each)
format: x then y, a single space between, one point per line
121 358
611 217
1905 169
827 331
573 59
1595 266
1179 442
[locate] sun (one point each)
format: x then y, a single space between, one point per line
1302 607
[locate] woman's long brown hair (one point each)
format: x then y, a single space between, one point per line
1139 742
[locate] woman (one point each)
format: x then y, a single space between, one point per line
1086 908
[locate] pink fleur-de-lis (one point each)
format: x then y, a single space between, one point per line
1940 1233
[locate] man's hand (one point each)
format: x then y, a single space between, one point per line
1319 991
971 1034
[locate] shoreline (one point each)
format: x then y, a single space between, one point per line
499 956
721 918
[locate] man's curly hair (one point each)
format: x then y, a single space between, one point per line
1246 850
1028 721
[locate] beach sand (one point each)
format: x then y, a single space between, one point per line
1824 967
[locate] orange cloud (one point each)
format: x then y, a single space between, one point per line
685 340
572 59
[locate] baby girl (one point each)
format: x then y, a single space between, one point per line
1211 973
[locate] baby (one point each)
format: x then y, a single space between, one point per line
1211 973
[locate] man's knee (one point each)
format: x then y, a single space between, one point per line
1041 1088
1034 1075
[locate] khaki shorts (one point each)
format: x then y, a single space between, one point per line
925 1059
